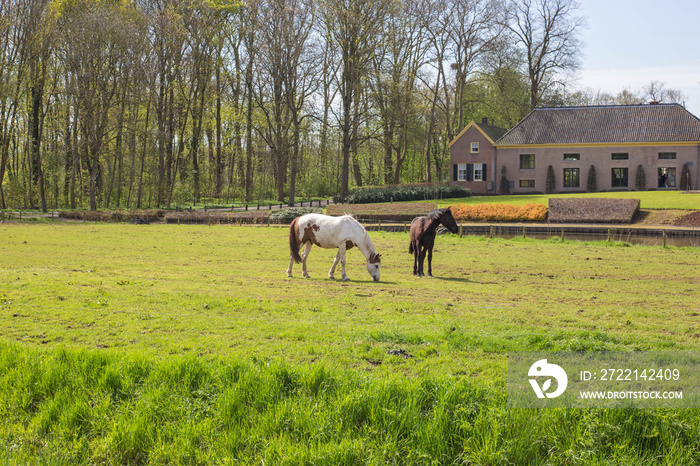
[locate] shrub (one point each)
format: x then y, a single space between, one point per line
591 183
402 193
397 212
533 212
130 216
505 187
288 214
551 184
592 210
217 218
685 178
640 181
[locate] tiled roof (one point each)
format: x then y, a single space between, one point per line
494 132
606 124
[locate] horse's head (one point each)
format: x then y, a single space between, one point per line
373 265
448 221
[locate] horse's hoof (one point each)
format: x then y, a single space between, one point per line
346 279
331 277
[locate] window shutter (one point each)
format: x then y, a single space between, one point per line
470 172
483 172
455 171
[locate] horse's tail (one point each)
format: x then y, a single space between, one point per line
293 244
410 248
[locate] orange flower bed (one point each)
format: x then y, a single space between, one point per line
532 212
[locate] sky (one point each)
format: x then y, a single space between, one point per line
629 43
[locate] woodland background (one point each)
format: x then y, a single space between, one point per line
150 103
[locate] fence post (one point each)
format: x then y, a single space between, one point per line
664 232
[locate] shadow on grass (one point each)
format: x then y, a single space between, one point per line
463 280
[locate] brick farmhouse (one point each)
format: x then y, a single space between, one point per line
628 147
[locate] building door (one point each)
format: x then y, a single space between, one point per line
620 177
667 177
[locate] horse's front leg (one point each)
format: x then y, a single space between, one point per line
430 260
335 263
304 255
421 261
340 257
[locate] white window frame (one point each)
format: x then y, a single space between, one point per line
474 145
461 172
478 172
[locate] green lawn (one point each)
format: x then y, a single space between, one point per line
648 199
169 344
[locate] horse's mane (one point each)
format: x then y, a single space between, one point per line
435 214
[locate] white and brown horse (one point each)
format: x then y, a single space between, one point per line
331 232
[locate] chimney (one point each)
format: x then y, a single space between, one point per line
653 102
484 121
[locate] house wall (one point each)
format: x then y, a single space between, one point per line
600 157
460 153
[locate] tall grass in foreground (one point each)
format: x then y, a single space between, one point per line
92 407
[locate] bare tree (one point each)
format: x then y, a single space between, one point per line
548 31
479 26
13 58
353 26
98 38
396 66
656 91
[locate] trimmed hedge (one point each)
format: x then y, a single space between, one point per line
592 210
373 213
403 193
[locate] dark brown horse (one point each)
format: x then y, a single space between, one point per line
423 237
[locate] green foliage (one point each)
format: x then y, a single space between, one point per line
403 193
85 407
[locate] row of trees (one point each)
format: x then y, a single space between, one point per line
107 103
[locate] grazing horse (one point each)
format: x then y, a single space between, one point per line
423 237
331 232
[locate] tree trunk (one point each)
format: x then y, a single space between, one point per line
219 161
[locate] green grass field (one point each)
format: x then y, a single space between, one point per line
166 344
648 199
